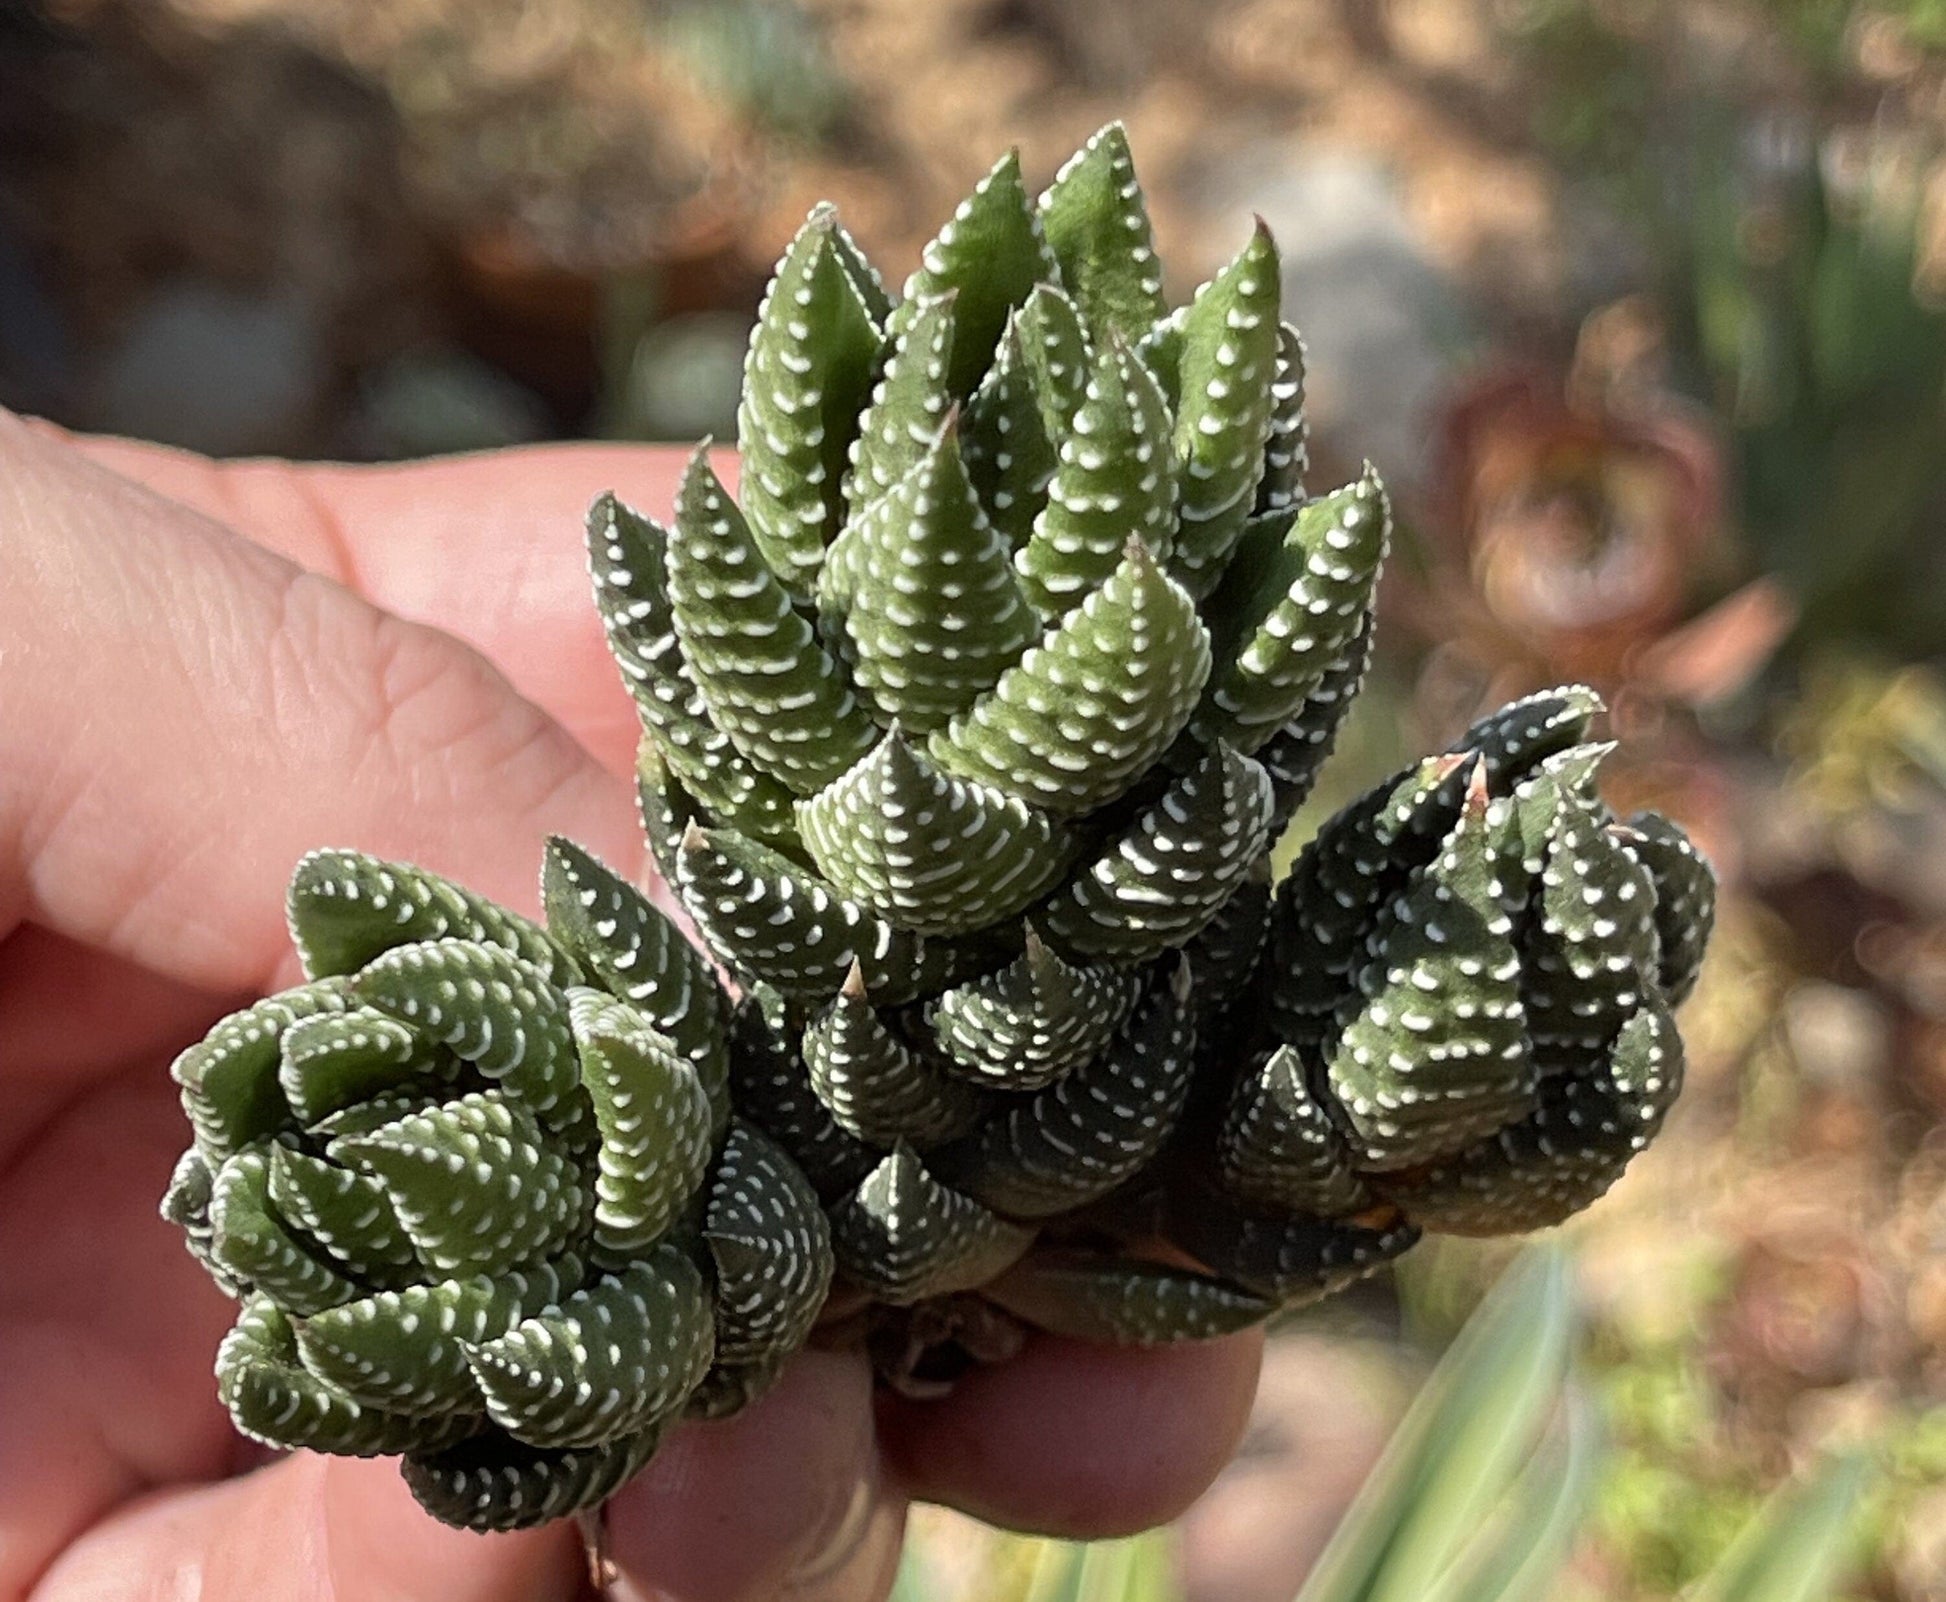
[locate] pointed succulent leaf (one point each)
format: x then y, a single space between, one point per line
1289 1260
1287 452
627 557
186 1205
229 1078
1226 954
865 278
1086 711
273 1399
991 255
486 1006
1115 476
476 1184
663 806
922 599
1160 350
1123 1301
1590 950
336 1059
773 1087
405 1350
767 681
1097 226
1024 408
1058 356
1523 824
1331 899
1159 883
1226 367
933 853
627 567
1009 453
1514 740
256 1246
345 908
1278 1148
607 1362
1567 1152
806 377
1296 752
1437 1052
388 1106
491 1481
903 1236
764 915
909 405
771 1247
1294 600
346 1213
1090 1131
655 1118
632 949
877 1087
1685 898
1024 1025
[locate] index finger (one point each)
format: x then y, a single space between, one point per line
486 547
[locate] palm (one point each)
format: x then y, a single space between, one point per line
185 714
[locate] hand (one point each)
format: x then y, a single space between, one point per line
206 670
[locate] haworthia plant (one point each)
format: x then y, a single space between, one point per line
966 735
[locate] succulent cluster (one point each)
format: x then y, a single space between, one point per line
967 735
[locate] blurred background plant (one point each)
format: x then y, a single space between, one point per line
1485 1487
1641 306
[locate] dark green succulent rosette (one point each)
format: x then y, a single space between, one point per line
480 1190
967 732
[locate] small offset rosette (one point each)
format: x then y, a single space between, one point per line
1473 974
478 1187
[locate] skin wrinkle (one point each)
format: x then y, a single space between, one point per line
129 578
440 714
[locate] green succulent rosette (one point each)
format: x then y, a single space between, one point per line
968 727
480 1190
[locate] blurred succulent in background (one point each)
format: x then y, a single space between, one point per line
1798 265
966 738
1574 522
1829 356
764 57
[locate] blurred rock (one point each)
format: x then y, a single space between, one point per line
1840 1038
1383 325
438 401
224 371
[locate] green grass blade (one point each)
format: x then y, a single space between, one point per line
1139 1569
1056 1574
1520 1555
1460 1444
1799 1542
